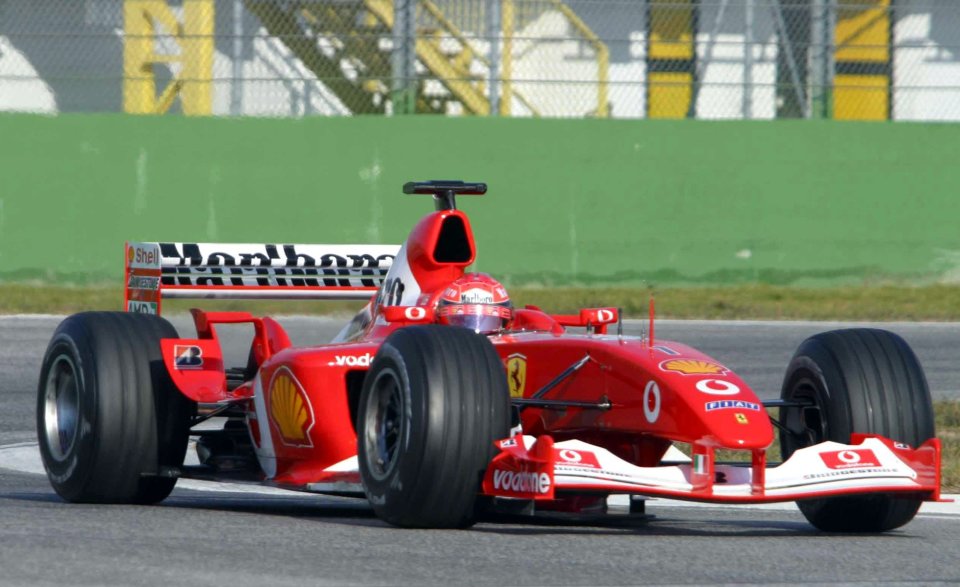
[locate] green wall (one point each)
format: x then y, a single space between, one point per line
583 200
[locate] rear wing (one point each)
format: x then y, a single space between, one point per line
153 271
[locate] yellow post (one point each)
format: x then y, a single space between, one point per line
603 67
670 58
139 85
506 61
862 78
197 95
143 21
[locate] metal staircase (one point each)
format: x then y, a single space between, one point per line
343 43
451 67
324 36
347 44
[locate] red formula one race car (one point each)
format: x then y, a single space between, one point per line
440 400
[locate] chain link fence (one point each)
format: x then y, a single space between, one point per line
707 59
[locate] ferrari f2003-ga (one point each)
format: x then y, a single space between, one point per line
440 400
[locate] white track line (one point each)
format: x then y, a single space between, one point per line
32 316
24 457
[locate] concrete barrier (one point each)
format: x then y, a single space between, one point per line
588 201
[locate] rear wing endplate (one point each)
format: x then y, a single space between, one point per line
153 271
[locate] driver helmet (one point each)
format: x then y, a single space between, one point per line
475 301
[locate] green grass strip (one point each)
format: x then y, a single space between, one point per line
748 302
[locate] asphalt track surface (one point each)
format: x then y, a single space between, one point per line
214 534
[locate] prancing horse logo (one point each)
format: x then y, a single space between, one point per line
517 374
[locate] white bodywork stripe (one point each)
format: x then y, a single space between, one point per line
265 452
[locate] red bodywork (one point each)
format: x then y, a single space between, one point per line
300 404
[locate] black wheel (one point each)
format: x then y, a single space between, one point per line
858 380
433 402
109 419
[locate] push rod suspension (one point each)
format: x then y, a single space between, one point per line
554 382
550 404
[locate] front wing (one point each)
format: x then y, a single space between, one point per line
538 468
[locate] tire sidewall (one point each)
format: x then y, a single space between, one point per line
400 474
69 475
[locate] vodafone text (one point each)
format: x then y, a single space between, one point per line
352 360
521 481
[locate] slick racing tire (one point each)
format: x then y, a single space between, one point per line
433 402
111 424
856 380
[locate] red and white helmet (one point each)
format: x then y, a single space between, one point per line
475 301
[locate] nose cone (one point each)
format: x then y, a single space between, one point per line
729 414
738 423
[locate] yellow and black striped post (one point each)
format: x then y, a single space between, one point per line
863 60
671 58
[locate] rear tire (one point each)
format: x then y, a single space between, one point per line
433 403
859 380
110 422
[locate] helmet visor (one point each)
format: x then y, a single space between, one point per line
476 322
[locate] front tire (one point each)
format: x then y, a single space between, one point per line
110 422
857 380
433 402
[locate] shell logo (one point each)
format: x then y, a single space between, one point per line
290 409
693 367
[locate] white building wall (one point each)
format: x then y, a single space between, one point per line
725 73
553 69
926 64
21 88
275 83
